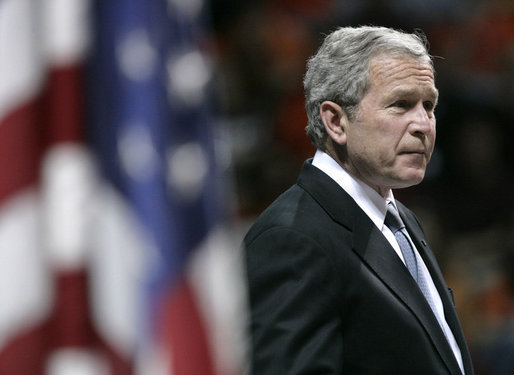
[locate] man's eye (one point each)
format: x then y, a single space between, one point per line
428 105
401 104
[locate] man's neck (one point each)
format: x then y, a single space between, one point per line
339 156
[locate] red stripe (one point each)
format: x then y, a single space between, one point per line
70 324
64 104
55 116
184 334
20 148
25 354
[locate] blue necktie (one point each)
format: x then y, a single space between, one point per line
395 223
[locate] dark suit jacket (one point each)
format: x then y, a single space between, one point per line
329 295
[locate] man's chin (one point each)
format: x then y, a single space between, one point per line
408 181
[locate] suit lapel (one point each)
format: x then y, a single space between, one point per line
450 313
374 249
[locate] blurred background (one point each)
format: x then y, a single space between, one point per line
139 140
466 200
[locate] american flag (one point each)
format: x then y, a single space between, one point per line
114 253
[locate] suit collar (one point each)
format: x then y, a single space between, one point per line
373 248
329 195
370 201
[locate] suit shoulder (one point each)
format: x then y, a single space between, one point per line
293 211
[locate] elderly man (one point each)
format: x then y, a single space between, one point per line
341 277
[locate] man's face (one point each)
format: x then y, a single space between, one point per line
391 140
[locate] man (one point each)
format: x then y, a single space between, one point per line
338 282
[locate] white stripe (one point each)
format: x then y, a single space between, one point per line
67 189
66 30
216 274
71 361
25 287
117 266
21 64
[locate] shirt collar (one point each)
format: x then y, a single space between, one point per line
372 203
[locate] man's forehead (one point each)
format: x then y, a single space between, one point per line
393 69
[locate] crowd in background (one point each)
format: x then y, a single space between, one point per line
466 202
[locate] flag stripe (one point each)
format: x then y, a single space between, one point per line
65 104
184 332
20 148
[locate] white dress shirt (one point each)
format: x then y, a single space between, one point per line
375 206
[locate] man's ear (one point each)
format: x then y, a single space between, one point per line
335 121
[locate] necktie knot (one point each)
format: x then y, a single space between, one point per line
392 219
395 224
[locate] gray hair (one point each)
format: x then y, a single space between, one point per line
339 71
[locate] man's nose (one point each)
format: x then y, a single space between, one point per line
421 122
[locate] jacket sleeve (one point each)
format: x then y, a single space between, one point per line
294 320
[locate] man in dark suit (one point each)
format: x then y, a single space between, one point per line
339 283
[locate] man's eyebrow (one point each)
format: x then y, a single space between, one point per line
433 93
